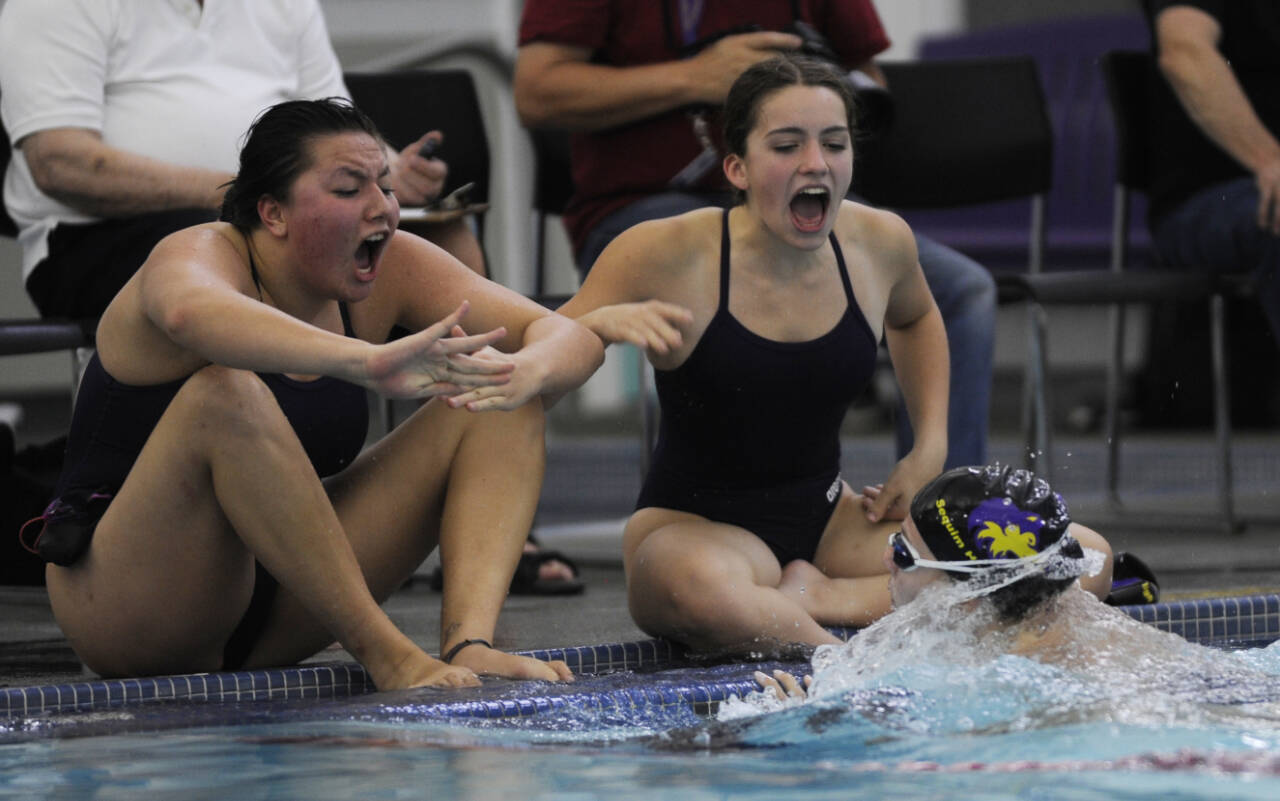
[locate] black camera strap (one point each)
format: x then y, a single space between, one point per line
686 43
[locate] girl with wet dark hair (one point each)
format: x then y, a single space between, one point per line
218 509
763 323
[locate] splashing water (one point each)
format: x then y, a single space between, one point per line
1076 681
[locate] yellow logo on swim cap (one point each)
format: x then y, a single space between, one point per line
941 506
1010 539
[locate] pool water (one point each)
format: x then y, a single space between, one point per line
920 706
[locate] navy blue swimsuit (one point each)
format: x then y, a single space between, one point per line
750 428
113 420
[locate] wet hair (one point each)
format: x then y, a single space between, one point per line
758 82
753 87
995 512
277 149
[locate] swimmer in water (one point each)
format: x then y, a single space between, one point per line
1002 543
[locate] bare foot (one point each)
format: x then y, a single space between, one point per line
492 662
419 669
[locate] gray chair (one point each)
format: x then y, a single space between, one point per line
969 132
1131 78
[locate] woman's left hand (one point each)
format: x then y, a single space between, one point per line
523 382
892 499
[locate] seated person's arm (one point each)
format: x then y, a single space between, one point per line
1204 83
917 343
622 299
75 167
557 86
420 284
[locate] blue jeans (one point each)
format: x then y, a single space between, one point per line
1217 230
963 289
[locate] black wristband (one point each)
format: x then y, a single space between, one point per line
448 657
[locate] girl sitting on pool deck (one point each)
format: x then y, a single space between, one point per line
763 323
218 431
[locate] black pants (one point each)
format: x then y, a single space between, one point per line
88 264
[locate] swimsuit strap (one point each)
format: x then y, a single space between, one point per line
724 261
724 264
253 269
844 272
347 328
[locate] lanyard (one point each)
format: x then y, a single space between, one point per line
690 17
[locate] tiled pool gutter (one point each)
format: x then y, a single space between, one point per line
1250 621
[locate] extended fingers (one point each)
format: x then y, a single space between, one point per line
880 504
783 684
485 399
768 683
467 364
472 343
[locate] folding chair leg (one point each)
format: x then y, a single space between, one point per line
1222 411
1037 426
1111 422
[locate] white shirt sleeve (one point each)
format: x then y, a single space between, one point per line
319 73
53 64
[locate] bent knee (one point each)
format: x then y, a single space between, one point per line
230 401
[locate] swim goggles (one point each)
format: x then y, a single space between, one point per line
1050 562
907 557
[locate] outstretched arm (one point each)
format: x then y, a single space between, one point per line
547 354
622 299
195 293
1187 39
918 347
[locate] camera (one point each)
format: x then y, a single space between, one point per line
873 101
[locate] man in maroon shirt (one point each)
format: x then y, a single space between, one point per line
631 79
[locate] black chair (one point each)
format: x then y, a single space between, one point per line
406 104
1134 85
1130 80
552 188
967 132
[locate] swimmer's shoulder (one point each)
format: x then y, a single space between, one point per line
879 232
213 244
666 249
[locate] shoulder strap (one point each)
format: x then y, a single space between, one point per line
347 329
724 261
844 272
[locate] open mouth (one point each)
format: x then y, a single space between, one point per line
368 252
809 208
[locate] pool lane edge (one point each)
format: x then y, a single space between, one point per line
1249 621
